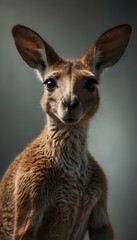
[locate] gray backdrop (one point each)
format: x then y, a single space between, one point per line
71 26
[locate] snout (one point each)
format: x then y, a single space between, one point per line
70 109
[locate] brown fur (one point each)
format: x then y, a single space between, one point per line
55 189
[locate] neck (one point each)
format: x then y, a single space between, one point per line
67 140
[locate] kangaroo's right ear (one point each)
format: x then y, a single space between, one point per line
34 50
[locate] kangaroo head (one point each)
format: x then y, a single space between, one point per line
70 86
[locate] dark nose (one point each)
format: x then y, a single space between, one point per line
70 103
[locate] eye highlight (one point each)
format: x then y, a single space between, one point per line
91 83
50 84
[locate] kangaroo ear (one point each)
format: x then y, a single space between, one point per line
33 49
108 48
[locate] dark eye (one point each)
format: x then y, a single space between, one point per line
50 83
91 83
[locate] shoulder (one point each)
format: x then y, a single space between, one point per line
97 176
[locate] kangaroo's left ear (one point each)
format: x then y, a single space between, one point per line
108 48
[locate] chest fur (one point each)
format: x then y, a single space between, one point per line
71 193
70 199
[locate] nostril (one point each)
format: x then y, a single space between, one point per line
75 103
64 103
70 104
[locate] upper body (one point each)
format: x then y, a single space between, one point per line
66 184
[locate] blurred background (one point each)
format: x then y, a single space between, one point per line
71 27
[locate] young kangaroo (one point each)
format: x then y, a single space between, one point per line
54 189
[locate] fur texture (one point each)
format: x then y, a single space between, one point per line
55 189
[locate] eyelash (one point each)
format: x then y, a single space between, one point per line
91 83
50 84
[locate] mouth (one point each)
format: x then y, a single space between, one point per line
70 121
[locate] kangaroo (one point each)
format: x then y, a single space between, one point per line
55 189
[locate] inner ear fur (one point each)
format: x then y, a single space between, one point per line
108 48
37 53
